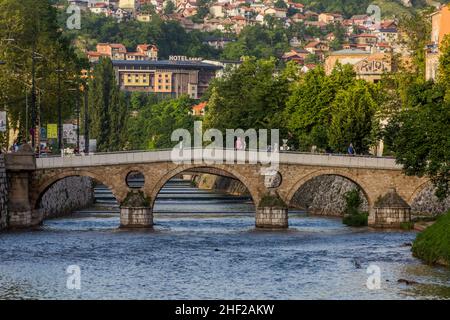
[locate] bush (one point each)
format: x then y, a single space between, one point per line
433 244
136 199
407 225
272 201
352 216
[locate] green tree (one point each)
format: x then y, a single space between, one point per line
420 135
280 4
251 96
169 8
108 111
152 127
26 27
353 118
308 111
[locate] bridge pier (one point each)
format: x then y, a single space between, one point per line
21 165
136 211
272 218
390 211
136 217
272 212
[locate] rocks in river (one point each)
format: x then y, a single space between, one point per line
407 244
407 282
357 263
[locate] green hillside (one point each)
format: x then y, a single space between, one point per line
389 8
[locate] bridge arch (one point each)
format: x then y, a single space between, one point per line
418 190
51 180
203 168
328 172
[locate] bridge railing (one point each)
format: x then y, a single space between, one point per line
225 149
229 157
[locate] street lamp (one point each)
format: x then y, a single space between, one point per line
77 106
60 135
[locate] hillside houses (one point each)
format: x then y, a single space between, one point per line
230 17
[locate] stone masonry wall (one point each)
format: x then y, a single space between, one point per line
221 184
324 195
427 204
3 193
67 195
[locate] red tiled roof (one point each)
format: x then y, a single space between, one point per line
200 106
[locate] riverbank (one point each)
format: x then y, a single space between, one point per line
433 244
3 193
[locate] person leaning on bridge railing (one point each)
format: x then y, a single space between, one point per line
351 150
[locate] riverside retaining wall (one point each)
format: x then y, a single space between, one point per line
3 193
221 184
66 196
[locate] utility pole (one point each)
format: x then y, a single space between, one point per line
60 131
86 119
78 122
33 97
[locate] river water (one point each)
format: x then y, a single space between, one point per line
204 246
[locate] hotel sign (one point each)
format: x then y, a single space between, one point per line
372 67
184 58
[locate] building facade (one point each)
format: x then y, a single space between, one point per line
440 27
166 77
368 66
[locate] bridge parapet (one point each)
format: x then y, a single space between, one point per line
229 157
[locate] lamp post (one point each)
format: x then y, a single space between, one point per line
60 126
85 88
77 110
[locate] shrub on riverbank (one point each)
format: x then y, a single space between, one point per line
353 217
272 201
433 244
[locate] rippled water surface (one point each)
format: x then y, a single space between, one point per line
204 246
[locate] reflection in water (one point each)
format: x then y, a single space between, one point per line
205 248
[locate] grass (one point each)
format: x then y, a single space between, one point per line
356 220
407 225
433 244
353 217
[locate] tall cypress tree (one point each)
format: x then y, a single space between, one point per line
108 109
102 89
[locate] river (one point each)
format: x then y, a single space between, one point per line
204 246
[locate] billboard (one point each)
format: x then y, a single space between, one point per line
52 131
2 121
70 133
92 144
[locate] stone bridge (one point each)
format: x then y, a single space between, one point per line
272 195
